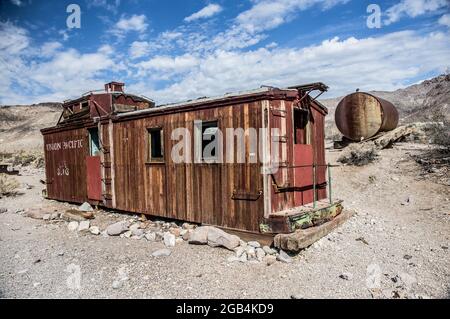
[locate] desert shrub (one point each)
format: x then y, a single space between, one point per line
23 158
39 162
440 133
8 185
358 155
7 116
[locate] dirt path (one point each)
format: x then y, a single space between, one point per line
387 250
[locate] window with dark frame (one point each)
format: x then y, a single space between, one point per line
156 145
209 131
301 126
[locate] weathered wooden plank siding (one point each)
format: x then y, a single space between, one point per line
188 191
66 167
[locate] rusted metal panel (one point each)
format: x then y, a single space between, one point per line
362 115
94 178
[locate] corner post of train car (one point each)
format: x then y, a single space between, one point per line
314 185
329 183
265 153
111 158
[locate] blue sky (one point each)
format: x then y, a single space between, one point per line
177 50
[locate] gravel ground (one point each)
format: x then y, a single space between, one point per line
391 248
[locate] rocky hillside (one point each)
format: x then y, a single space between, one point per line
428 100
20 125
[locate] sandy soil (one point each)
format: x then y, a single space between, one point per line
391 248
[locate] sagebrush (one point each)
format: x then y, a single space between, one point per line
358 155
8 185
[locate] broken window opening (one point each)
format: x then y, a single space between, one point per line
209 140
156 144
302 126
94 142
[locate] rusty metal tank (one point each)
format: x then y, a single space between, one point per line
362 115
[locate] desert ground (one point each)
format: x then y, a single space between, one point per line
396 245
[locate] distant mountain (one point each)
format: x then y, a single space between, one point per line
20 125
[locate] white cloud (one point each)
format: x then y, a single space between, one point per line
65 34
139 49
207 12
445 20
211 64
18 3
382 63
12 39
27 78
134 23
413 8
165 67
265 15
110 5
50 48
268 14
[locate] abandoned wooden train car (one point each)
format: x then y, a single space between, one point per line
119 151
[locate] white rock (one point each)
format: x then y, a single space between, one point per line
254 244
239 251
243 258
199 236
284 257
83 225
260 254
269 251
117 228
150 236
251 252
86 207
187 226
134 227
161 252
73 226
47 217
219 238
94 230
138 232
117 284
169 239
127 234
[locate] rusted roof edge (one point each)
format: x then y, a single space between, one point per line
223 100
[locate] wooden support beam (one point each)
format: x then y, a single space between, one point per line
304 238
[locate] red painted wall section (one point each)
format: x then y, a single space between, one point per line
93 178
303 176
